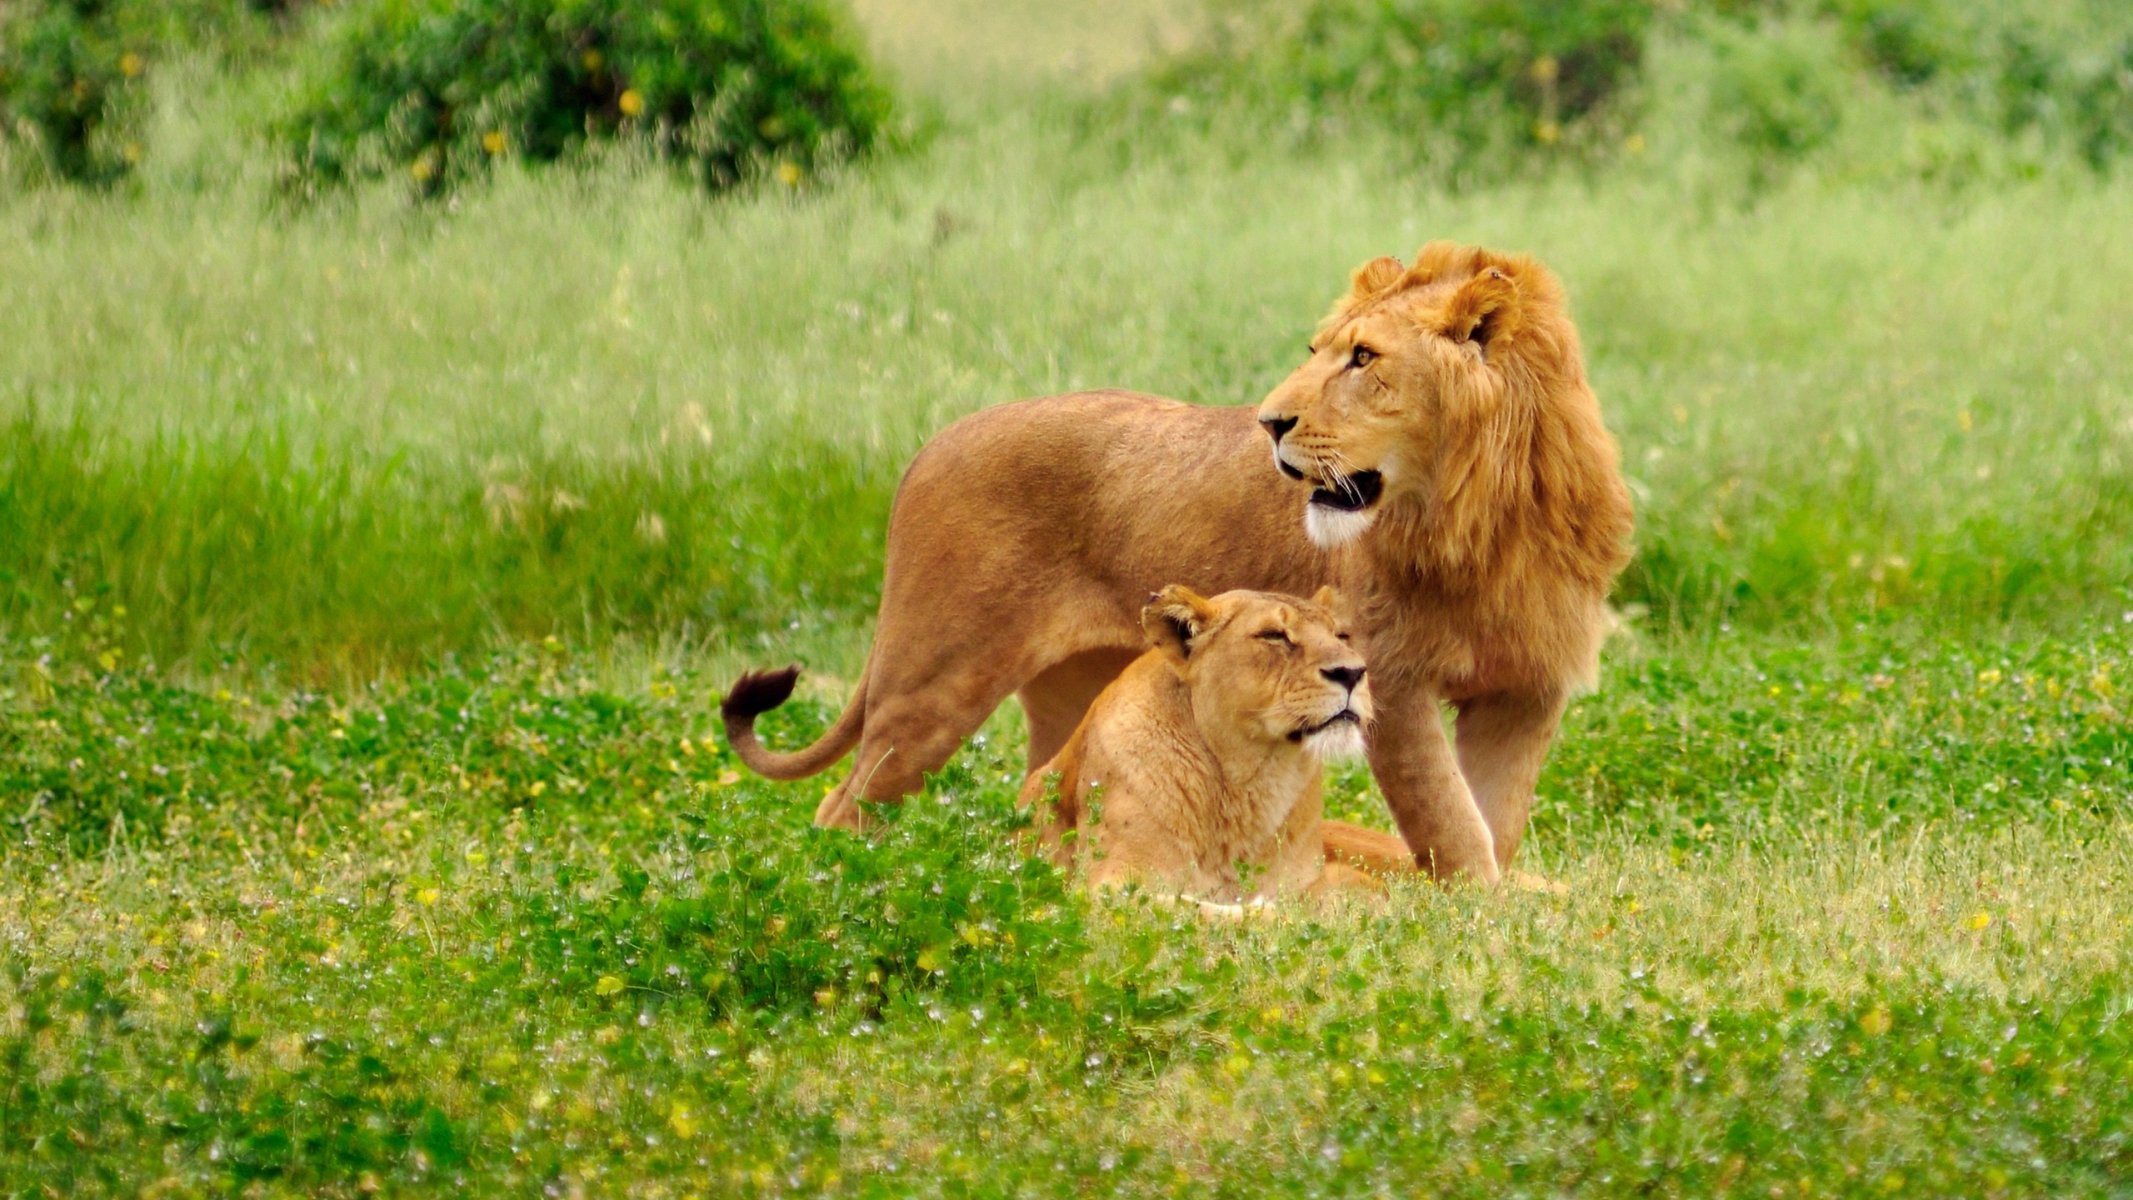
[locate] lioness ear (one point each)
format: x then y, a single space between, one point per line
1332 601
1375 276
1484 309
1174 617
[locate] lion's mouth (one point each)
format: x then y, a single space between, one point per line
1346 716
1349 493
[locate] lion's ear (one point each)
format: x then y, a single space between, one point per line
1175 617
1483 310
1374 277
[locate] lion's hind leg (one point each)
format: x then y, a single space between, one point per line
909 736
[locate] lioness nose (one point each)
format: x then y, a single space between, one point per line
1347 677
1276 426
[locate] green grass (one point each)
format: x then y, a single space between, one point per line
367 435
367 579
505 926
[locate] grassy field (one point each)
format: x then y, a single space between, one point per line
367 578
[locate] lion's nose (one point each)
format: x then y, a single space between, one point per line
1347 677
1276 426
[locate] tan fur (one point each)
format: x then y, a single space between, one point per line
1025 536
1201 756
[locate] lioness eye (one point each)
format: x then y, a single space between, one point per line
1274 635
1343 635
1362 357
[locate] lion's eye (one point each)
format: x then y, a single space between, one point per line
1275 636
1362 357
1310 351
1343 635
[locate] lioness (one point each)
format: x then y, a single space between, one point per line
1204 756
1457 485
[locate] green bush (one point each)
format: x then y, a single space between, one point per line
74 73
1778 90
1911 42
1456 75
70 81
2103 107
436 90
2081 100
1477 88
2063 74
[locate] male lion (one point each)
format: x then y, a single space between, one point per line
1204 756
1462 492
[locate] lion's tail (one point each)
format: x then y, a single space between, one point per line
1379 854
756 693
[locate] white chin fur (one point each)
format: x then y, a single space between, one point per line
1335 742
1332 528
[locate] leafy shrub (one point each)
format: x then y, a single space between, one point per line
1911 42
1779 89
70 81
1461 75
2005 68
2103 107
1472 84
2084 101
438 89
74 73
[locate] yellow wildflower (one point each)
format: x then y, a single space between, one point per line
631 102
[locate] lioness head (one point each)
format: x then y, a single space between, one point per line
1412 365
1265 668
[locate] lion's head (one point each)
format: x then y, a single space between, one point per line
1429 386
1265 668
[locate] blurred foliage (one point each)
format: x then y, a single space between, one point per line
2063 72
71 76
1779 90
1477 90
75 74
436 90
1476 77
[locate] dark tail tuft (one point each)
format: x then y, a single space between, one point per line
758 692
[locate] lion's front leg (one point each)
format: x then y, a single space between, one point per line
1503 740
1429 801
